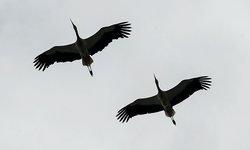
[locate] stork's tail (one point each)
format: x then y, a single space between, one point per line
172 118
90 70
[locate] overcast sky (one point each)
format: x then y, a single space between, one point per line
64 108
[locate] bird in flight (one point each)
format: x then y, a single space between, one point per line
164 100
83 48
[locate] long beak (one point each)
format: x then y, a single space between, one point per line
154 76
72 22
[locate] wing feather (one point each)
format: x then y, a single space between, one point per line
139 107
56 54
105 35
187 87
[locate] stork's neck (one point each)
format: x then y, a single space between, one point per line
77 35
158 88
79 42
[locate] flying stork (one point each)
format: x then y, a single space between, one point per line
164 100
83 48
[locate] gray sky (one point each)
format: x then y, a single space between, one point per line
65 108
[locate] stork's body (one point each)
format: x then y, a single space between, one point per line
164 100
83 48
83 51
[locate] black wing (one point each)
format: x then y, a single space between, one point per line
187 87
56 54
139 107
105 35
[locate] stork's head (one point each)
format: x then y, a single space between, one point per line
73 25
156 81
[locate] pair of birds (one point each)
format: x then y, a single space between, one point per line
83 48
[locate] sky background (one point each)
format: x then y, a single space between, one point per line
65 108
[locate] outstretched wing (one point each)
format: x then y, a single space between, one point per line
56 54
187 87
105 35
139 107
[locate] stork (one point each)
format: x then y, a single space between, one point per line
164 100
83 48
